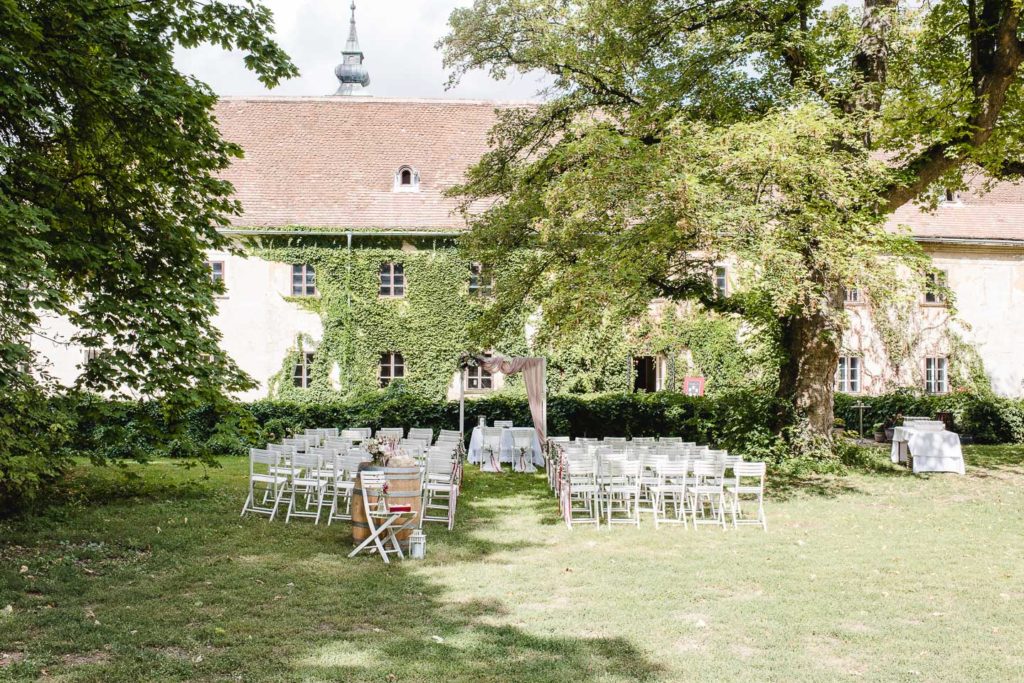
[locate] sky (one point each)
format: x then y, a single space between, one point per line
397 37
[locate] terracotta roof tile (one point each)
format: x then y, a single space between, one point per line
330 162
994 215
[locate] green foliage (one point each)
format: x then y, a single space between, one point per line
429 325
438 319
679 134
987 418
33 435
110 194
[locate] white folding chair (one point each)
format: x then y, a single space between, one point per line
346 470
504 424
300 443
356 435
262 477
670 489
395 433
422 434
451 433
381 520
579 492
670 439
490 449
621 490
308 483
708 487
440 491
522 451
748 481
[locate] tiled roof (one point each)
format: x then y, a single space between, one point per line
330 162
975 215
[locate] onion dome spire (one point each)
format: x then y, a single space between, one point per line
351 73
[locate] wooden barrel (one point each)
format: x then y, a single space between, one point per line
403 489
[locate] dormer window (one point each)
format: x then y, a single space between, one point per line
407 179
949 196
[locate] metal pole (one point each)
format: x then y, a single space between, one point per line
544 406
462 404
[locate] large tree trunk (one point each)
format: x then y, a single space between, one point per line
808 371
807 375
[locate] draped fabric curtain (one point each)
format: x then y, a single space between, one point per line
533 370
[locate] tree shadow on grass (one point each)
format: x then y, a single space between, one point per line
987 461
413 635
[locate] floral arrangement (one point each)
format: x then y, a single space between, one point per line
382 450
468 360
382 499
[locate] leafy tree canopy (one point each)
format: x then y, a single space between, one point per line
676 134
109 190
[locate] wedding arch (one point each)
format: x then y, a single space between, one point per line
534 369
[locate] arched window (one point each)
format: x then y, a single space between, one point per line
407 179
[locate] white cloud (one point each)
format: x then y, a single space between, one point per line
397 36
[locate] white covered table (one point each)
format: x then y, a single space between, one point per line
508 451
932 447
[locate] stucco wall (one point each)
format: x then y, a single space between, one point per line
258 323
988 288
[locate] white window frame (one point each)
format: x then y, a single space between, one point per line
306 284
394 361
936 375
388 269
721 281
414 179
852 295
213 267
932 297
849 374
479 380
480 282
302 370
89 354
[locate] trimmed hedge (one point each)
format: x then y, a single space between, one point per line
988 419
739 421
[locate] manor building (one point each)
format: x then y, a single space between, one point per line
352 280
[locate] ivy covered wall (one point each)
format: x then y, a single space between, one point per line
429 327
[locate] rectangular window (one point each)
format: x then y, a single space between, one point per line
935 377
481 283
216 271
848 375
721 282
392 279
303 280
301 373
392 366
478 379
645 374
852 295
90 354
935 283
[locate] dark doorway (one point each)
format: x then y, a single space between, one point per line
645 374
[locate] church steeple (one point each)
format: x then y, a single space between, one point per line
351 73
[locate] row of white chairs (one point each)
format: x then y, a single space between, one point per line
359 434
688 484
309 478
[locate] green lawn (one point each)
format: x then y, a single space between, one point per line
869 577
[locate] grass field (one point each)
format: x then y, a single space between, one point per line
883 576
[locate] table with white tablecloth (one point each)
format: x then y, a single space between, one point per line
507 449
930 446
